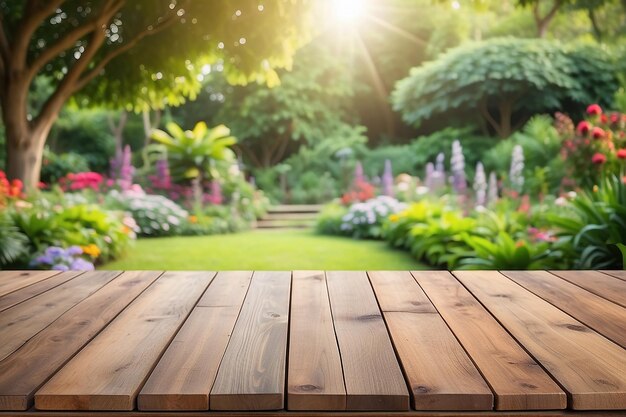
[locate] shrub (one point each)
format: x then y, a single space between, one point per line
330 219
13 243
155 215
364 220
592 228
56 166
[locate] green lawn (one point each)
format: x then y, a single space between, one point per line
263 250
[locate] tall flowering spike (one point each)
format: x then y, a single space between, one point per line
126 170
359 177
516 173
480 185
492 193
115 164
457 166
440 167
163 177
429 180
387 179
216 192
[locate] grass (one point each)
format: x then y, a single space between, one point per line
263 250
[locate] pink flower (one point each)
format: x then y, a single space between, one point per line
594 110
597 133
583 127
598 158
621 154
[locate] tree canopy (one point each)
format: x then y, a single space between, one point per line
506 79
143 53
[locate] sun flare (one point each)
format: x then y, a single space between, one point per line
349 11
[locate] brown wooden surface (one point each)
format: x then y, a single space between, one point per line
187 341
440 374
14 280
371 371
252 373
588 366
22 321
617 274
23 294
605 317
517 380
315 376
598 283
108 373
22 373
184 375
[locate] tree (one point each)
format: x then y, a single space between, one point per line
506 80
143 53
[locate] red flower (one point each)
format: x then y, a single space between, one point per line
615 118
621 153
603 118
597 133
583 127
598 158
594 110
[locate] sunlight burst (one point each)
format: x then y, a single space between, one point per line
349 11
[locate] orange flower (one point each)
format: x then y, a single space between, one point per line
91 250
193 219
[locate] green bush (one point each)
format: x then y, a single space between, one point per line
56 166
13 243
592 228
330 219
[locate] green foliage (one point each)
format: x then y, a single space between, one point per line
48 223
13 243
505 253
543 165
194 154
85 132
330 218
56 166
593 226
516 77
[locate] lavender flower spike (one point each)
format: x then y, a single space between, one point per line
480 185
358 173
457 166
387 180
492 193
516 173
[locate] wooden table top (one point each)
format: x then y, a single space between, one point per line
418 343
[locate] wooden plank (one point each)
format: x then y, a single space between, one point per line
183 378
588 366
605 317
23 294
617 274
517 380
598 283
108 373
372 375
14 280
440 374
21 322
22 373
315 377
252 373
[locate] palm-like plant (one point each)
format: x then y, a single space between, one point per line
194 155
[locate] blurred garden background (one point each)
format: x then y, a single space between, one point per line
319 134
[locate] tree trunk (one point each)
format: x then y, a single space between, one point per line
506 114
24 155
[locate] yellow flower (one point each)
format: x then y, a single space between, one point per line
394 217
91 250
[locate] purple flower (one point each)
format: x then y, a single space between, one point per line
387 180
358 173
74 250
54 251
44 259
80 264
60 267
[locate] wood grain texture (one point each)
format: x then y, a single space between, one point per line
108 373
440 374
23 294
617 274
183 378
22 373
588 366
372 375
605 317
517 380
252 373
14 280
315 377
21 322
597 283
